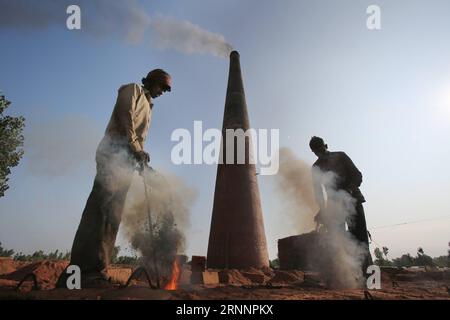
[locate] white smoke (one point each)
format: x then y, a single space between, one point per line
167 200
344 254
109 18
125 19
188 38
307 191
296 189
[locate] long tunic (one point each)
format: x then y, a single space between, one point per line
126 133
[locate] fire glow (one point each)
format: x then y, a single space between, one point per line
173 283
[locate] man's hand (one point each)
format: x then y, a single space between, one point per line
318 219
142 157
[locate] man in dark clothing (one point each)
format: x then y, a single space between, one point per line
346 178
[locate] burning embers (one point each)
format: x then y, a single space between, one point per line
154 222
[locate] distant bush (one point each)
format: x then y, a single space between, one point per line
126 260
116 259
41 255
382 259
442 261
5 253
406 260
275 264
11 143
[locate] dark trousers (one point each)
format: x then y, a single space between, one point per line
358 228
96 235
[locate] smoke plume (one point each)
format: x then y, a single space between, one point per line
164 199
126 20
309 190
188 38
343 255
296 189
99 18
169 202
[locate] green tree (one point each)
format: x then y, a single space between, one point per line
58 255
4 253
11 143
380 260
40 255
274 264
115 254
422 259
405 260
386 252
442 261
127 260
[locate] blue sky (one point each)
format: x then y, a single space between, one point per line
309 67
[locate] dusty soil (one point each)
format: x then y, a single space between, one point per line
47 273
249 284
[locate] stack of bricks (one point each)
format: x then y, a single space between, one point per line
199 273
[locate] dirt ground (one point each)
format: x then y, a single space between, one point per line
235 285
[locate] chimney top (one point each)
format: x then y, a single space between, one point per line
234 54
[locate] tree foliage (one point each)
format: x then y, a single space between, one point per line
442 261
128 260
406 260
275 264
11 143
380 257
41 255
4 253
422 259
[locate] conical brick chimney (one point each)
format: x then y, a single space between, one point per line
237 239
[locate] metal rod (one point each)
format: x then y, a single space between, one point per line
144 172
137 273
33 278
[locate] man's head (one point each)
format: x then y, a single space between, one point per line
318 146
157 82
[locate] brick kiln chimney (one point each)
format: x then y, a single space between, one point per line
237 239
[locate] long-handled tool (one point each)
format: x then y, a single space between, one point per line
144 169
